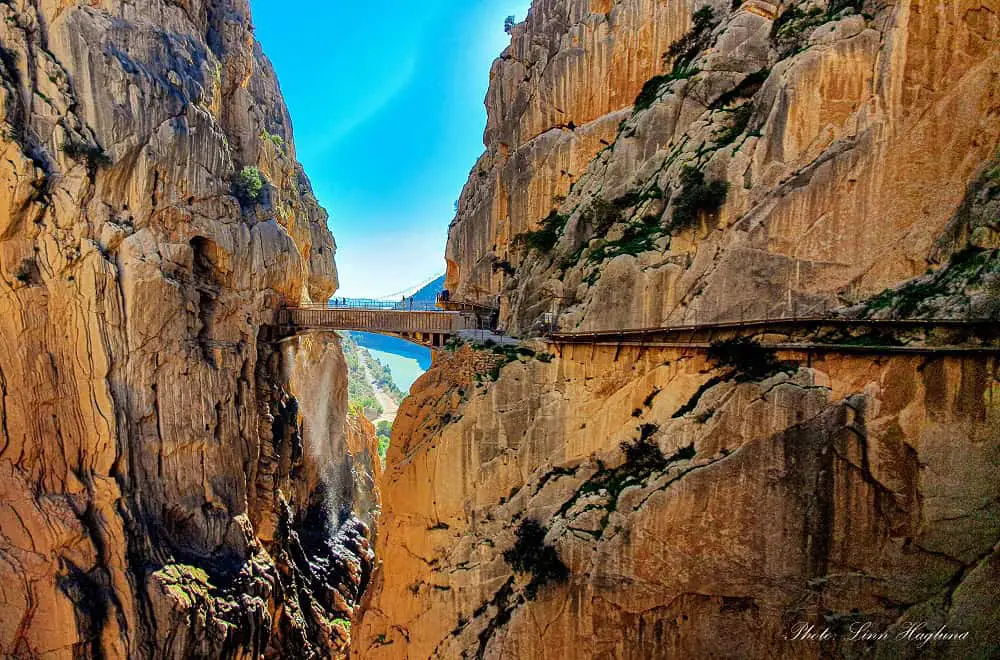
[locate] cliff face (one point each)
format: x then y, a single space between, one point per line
685 499
152 214
832 141
631 502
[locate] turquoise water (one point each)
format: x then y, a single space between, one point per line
404 370
406 361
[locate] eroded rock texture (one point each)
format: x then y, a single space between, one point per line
159 494
848 490
845 132
783 158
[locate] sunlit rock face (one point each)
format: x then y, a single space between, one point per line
845 134
793 158
846 490
150 472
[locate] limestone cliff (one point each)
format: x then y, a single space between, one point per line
659 162
782 158
699 512
160 494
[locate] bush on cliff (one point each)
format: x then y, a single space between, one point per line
530 554
544 238
248 185
751 360
697 197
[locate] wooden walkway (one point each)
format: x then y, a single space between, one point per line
811 335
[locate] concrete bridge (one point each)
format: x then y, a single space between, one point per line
421 323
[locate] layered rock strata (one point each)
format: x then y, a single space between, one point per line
685 499
830 144
657 163
152 216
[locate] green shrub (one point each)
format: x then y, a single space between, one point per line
697 197
343 623
383 431
81 150
738 121
276 140
792 28
751 360
638 237
685 49
248 185
530 554
602 215
544 238
651 89
747 88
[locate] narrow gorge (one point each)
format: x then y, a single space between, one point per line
713 369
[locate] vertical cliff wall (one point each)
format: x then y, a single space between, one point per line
687 510
651 163
152 214
810 152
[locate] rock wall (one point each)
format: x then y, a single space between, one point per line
152 215
843 134
699 512
651 163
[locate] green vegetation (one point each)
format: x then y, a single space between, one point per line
383 377
383 430
530 554
248 185
965 268
697 197
739 120
682 54
792 28
276 140
643 460
509 23
343 623
360 393
750 360
683 51
747 88
544 238
507 353
82 150
639 236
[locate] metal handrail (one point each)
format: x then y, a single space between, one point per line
764 323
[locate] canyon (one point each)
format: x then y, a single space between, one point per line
182 477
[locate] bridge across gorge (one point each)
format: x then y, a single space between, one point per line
426 323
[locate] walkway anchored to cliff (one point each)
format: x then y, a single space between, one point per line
810 335
433 323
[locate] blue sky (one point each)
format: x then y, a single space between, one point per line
387 106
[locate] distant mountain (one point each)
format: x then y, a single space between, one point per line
429 292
